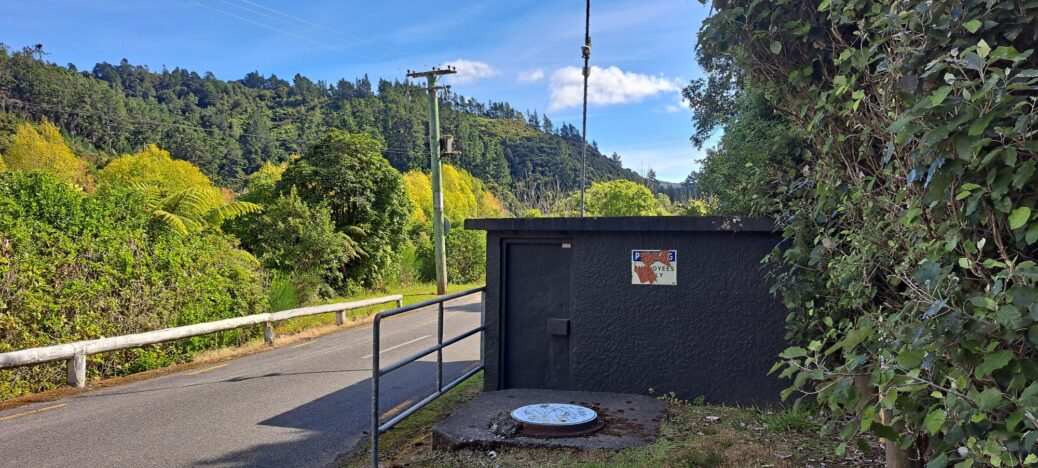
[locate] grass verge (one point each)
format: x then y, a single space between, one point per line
411 436
690 435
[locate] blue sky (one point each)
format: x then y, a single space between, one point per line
521 51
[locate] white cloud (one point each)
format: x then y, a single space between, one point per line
471 70
680 105
605 86
531 76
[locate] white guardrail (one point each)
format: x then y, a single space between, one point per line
75 353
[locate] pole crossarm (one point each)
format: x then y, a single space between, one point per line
434 72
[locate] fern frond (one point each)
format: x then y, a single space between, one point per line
218 215
172 221
191 202
357 231
151 194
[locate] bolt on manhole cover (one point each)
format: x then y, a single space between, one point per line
557 420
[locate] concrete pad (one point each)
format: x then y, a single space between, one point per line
630 421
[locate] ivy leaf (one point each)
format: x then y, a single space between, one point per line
939 461
884 431
793 352
993 362
971 26
776 47
983 49
938 96
1019 217
989 399
981 124
934 420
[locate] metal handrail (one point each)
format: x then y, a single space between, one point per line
377 372
75 353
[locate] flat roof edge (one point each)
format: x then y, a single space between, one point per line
632 223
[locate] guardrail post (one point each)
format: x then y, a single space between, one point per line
439 352
399 303
375 338
77 370
268 333
340 317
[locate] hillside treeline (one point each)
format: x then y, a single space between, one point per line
229 129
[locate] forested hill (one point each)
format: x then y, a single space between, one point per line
230 128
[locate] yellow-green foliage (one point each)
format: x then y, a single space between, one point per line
614 198
463 196
42 148
262 183
177 191
3 165
695 207
153 166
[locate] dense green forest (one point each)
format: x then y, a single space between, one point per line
230 128
894 143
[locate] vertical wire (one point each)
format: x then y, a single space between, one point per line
586 52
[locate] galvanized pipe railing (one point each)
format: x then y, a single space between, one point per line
75 353
377 372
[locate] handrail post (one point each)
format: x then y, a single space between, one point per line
483 325
268 333
439 352
76 368
375 338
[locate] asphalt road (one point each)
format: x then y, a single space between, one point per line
304 404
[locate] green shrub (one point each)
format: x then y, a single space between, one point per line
76 267
365 197
298 240
911 233
466 257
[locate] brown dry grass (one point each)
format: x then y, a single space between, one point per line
740 437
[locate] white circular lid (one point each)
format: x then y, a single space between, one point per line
554 414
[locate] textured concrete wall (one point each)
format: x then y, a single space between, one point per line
715 334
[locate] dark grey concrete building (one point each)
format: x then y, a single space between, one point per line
633 305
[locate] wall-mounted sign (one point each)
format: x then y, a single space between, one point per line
654 267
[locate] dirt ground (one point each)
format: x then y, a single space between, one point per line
690 435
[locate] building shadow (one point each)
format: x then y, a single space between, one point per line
332 427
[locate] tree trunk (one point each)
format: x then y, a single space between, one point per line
895 456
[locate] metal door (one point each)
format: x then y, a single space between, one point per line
536 331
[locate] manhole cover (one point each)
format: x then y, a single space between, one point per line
557 420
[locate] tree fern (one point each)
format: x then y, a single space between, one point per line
192 209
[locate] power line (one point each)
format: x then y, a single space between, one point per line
318 27
272 28
290 23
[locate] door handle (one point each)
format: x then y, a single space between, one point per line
558 327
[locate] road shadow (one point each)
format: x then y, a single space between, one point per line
334 425
471 307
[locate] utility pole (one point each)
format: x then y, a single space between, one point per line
439 246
